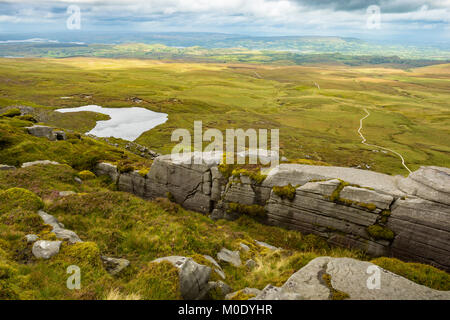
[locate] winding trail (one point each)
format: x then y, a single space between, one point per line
373 145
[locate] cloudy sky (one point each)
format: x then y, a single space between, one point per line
421 20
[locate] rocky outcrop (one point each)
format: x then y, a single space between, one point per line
193 277
422 231
323 277
46 132
430 183
383 215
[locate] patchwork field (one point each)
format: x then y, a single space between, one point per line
317 109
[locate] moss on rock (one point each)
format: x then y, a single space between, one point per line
335 294
86 175
11 113
250 210
285 192
419 273
380 233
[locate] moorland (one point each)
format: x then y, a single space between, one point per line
316 108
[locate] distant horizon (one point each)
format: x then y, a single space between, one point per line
413 21
22 37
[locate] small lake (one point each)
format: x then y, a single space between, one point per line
125 123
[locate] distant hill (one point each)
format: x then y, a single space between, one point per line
296 44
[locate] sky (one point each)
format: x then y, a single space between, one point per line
398 20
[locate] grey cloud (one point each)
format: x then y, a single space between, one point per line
388 6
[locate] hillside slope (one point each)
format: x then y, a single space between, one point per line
120 225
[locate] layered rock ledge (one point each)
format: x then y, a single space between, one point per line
384 215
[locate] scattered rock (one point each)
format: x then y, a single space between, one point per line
266 245
221 288
67 235
194 277
244 247
114 265
78 180
217 267
41 132
229 256
66 193
58 228
6 167
43 249
250 263
60 135
40 162
31 238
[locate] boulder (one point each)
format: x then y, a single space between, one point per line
194 277
41 132
229 256
43 249
351 277
114 265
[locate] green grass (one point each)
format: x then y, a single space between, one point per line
122 225
420 273
407 115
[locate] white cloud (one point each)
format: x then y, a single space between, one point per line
275 16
